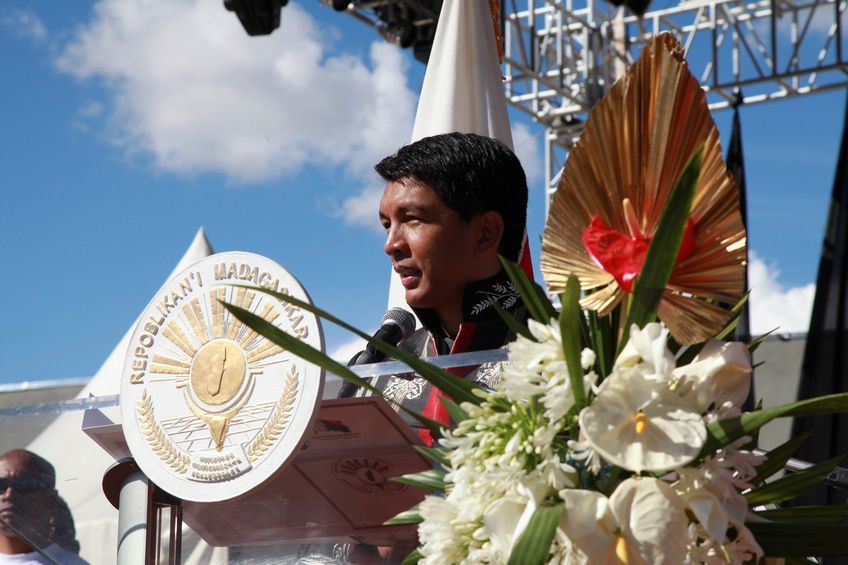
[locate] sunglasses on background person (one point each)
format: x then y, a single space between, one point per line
24 484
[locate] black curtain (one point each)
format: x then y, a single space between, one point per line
736 167
823 370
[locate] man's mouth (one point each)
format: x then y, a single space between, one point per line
409 276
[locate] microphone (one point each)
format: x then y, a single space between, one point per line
397 324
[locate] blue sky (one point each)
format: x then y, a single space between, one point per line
125 126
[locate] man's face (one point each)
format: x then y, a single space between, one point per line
431 248
25 496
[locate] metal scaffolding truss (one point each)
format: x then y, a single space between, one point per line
563 55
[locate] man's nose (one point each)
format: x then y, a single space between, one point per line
395 242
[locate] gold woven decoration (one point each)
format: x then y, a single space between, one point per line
636 143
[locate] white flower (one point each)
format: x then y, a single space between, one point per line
537 369
507 518
587 358
502 436
647 349
711 492
719 376
643 522
441 539
583 451
637 423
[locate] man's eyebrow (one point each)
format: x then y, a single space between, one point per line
414 208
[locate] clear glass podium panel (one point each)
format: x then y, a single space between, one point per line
55 505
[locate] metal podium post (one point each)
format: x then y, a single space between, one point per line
132 520
140 504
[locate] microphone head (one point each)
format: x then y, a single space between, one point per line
402 318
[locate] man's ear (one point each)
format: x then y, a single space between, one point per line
490 228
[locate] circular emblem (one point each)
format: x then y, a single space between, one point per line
211 409
369 475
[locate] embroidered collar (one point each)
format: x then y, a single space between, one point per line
477 311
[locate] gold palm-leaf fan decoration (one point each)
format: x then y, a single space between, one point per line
614 188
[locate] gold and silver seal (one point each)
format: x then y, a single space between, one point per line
210 407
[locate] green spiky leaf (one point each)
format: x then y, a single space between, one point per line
456 412
534 544
514 325
432 479
411 516
305 351
413 557
780 539
792 485
778 457
723 432
436 454
663 249
570 328
806 514
455 387
534 297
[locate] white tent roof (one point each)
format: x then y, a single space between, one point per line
106 380
79 462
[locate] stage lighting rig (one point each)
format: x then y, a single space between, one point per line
408 23
258 17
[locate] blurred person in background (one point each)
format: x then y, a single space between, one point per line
35 523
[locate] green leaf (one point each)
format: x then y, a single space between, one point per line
514 325
602 338
792 485
569 325
455 387
436 454
780 539
305 351
662 252
413 557
722 432
778 457
456 412
806 514
759 341
432 479
692 350
534 544
411 516
534 297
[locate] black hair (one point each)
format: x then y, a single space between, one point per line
472 174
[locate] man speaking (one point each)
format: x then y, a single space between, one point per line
451 204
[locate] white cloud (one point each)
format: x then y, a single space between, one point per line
189 89
772 304
24 23
344 351
361 208
529 151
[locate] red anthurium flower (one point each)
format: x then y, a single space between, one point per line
620 255
623 256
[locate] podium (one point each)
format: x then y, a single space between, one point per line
337 487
